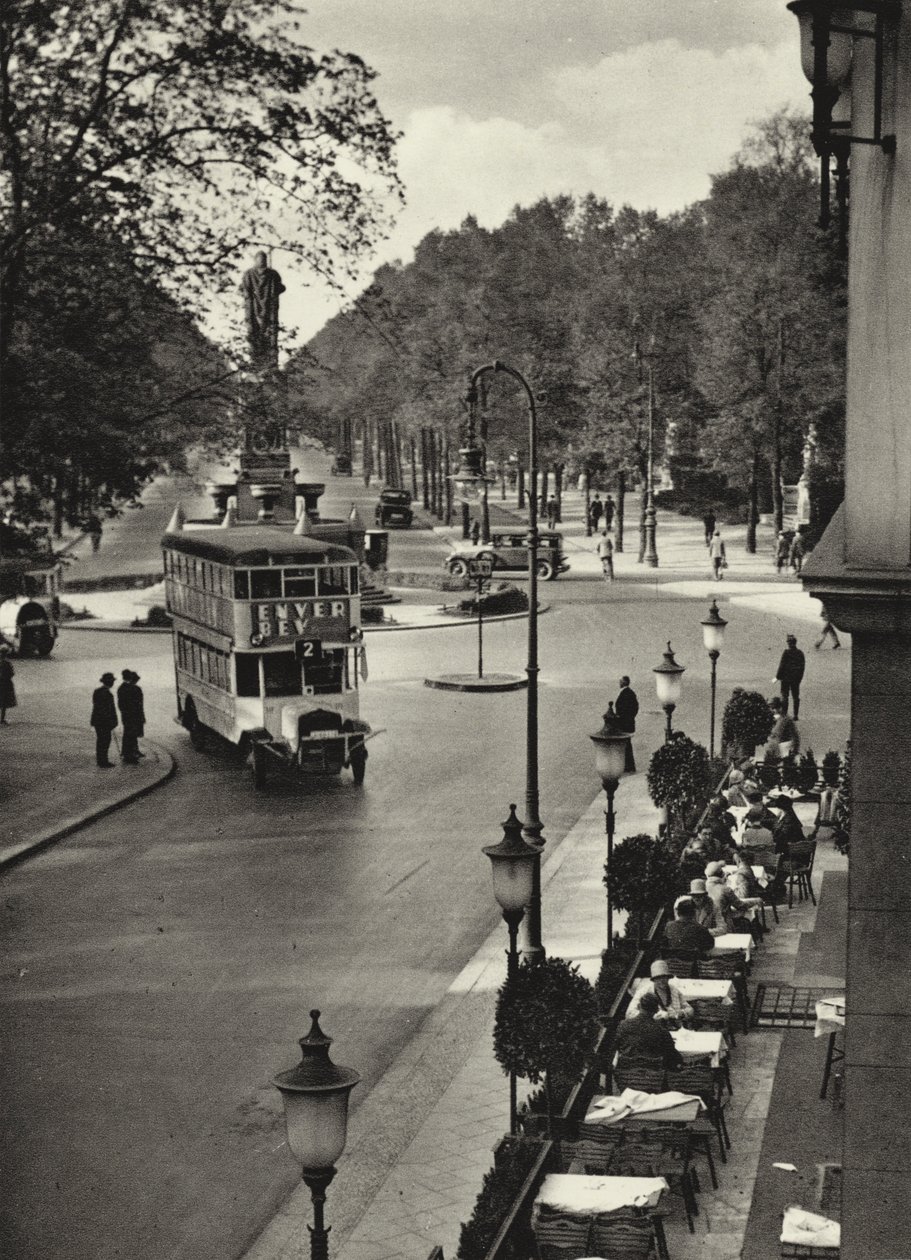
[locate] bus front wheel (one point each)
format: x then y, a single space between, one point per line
358 762
195 727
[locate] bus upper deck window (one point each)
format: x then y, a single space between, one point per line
353 577
266 584
333 580
299 583
241 584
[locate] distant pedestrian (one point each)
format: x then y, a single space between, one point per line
798 551
132 715
475 532
595 512
708 522
610 509
104 720
790 674
553 511
606 556
626 707
717 555
782 551
828 631
93 529
7 690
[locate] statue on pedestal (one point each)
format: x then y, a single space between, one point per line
261 287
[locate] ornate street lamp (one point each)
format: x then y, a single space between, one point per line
610 762
669 685
315 1097
532 828
513 863
713 638
826 53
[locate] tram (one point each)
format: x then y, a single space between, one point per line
30 603
268 646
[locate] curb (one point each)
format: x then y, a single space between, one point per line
44 840
113 627
466 682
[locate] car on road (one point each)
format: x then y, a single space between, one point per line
394 508
341 465
508 553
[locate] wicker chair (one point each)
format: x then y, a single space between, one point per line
731 967
561 1236
661 1152
622 1237
797 868
681 963
694 1078
647 1077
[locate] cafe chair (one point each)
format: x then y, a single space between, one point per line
595 1150
705 1082
797 869
619 1236
661 1152
731 967
681 963
650 1078
559 1236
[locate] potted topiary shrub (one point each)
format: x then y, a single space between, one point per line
808 772
545 1024
679 778
831 768
644 876
747 722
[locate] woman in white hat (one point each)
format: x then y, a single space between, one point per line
672 1004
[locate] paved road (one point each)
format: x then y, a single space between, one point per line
159 965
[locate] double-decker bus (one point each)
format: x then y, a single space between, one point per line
268 645
30 603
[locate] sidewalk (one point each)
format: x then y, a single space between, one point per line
50 785
420 1144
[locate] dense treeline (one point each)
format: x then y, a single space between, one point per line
734 307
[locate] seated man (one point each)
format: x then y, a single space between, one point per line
701 849
734 794
756 833
643 1039
708 914
731 907
684 932
787 829
672 1005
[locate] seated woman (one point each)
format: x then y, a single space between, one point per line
743 881
674 1009
788 829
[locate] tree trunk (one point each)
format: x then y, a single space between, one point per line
502 471
588 501
621 494
438 464
558 491
414 470
425 470
777 498
366 451
753 517
432 459
447 483
520 486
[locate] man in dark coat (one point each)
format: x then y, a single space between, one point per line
790 672
104 720
683 932
643 1039
626 707
132 714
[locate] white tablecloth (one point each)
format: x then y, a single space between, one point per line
586 1195
699 1045
830 1016
809 1229
732 941
671 1105
693 990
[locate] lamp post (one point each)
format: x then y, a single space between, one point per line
513 862
315 1097
669 685
647 549
533 826
713 638
610 762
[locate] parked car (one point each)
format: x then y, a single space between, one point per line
508 552
341 465
394 508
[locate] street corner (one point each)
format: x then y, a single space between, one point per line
471 682
53 787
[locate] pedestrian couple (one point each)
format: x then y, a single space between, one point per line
104 718
598 510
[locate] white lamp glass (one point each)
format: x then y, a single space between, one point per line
713 637
610 758
841 48
316 1125
669 687
512 882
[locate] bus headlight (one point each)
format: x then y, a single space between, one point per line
257 640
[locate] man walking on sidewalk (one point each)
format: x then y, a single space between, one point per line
104 720
595 512
790 673
626 707
132 715
606 556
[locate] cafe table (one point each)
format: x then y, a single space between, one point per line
582 1194
732 941
703 1044
634 1106
697 990
830 1022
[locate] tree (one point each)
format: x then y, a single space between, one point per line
747 721
187 130
679 777
644 876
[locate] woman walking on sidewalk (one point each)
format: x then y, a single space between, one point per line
606 556
717 556
7 690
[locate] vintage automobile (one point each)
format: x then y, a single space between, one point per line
508 552
394 508
30 604
341 465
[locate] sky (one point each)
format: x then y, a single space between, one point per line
501 102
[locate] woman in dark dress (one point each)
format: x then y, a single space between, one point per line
7 690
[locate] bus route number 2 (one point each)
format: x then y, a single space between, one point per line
309 649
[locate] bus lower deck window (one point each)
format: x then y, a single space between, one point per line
247 673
